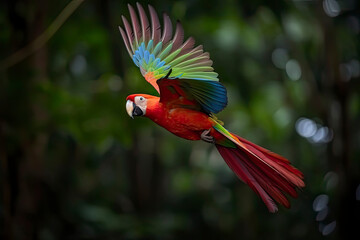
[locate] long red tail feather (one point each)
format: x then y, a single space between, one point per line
270 175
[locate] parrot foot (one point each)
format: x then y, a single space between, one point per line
206 137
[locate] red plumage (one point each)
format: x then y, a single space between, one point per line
270 175
190 94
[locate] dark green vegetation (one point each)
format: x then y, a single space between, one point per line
75 166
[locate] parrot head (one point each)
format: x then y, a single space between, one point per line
136 104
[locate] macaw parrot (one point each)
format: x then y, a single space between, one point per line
190 95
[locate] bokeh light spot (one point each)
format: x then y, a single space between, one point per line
78 65
293 69
322 135
282 117
355 68
305 127
279 57
345 72
331 179
329 228
320 202
115 83
331 8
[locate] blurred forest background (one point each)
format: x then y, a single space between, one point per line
75 166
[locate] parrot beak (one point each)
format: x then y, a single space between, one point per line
130 108
133 110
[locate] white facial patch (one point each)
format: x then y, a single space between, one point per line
141 102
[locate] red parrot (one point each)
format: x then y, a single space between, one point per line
190 95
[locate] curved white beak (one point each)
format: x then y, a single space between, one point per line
130 108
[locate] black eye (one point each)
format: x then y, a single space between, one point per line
141 98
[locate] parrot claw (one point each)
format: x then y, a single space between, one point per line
207 138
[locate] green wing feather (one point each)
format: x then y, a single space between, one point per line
155 51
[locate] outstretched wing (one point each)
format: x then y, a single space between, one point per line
157 51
